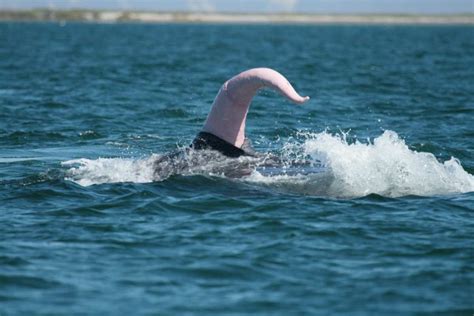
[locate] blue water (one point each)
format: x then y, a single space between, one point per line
87 227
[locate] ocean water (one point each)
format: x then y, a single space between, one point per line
384 227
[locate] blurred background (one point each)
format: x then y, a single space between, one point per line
261 6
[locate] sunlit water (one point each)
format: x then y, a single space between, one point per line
380 222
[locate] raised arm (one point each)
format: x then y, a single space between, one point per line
230 107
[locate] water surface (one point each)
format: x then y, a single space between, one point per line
86 227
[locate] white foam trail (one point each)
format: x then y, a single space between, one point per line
108 170
386 167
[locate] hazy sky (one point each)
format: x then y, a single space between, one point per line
313 6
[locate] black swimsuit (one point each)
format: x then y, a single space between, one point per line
205 140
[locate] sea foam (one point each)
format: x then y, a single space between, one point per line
384 166
87 172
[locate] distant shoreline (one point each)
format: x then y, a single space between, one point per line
116 16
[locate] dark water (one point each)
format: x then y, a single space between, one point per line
386 229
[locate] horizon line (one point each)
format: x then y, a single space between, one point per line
225 12
140 16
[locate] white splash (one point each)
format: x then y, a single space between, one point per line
386 167
87 172
108 170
